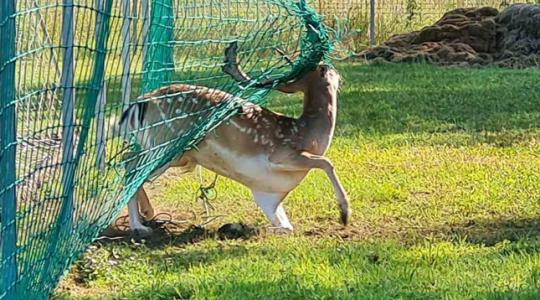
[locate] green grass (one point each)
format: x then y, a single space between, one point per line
442 166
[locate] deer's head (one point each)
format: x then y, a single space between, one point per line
323 77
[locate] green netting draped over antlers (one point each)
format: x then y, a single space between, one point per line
69 68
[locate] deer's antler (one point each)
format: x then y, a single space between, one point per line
232 68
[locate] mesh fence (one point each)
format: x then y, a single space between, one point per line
70 68
351 18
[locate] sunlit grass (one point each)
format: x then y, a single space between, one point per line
443 170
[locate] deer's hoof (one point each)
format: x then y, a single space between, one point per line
148 214
345 216
142 232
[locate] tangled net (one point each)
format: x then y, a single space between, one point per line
69 70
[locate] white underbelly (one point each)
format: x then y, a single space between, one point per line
253 171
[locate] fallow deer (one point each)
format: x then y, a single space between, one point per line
267 152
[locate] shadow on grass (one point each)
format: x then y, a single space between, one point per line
491 232
386 277
283 289
243 289
519 294
480 232
486 232
167 234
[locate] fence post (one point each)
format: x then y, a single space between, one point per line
67 82
145 12
100 142
371 23
126 58
8 136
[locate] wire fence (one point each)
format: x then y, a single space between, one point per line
352 19
70 69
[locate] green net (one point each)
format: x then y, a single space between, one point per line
69 68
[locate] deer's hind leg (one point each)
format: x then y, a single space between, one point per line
272 206
145 207
135 222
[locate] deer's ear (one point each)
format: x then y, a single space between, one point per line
291 88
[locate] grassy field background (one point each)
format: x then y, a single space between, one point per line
442 166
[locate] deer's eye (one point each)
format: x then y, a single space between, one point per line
323 71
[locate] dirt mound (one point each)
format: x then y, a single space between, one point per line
470 36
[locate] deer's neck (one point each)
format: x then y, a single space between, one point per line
318 119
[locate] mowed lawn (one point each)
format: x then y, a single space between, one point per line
442 166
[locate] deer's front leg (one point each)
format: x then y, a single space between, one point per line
306 161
